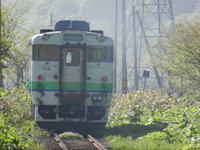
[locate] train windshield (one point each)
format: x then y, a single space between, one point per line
100 54
72 58
45 53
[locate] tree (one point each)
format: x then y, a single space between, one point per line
12 34
179 56
18 64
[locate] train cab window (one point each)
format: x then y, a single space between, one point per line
45 53
72 58
100 54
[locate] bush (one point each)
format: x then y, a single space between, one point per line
16 103
15 131
12 137
145 107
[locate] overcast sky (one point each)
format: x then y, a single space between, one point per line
183 6
102 12
99 13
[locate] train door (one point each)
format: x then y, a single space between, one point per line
72 76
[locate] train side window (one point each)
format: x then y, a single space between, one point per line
100 54
34 52
72 58
46 53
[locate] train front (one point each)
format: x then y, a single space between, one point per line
71 76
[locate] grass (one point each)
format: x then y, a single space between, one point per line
40 132
71 136
120 143
38 147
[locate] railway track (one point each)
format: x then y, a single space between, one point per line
88 143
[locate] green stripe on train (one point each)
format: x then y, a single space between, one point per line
70 86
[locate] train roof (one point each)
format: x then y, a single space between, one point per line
57 38
75 27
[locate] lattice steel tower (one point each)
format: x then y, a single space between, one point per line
149 19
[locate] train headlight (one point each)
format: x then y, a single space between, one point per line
97 98
94 98
100 37
100 98
45 37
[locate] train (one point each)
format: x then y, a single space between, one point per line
71 79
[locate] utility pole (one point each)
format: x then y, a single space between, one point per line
135 52
124 67
115 48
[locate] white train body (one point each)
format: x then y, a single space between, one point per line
71 77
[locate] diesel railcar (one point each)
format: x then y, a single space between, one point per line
71 76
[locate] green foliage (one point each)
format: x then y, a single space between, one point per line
16 103
178 56
40 132
14 39
15 129
181 115
12 137
11 34
119 143
143 143
38 147
197 147
155 137
139 106
71 136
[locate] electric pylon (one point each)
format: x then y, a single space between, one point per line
150 18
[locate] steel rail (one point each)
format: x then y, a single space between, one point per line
95 143
61 144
